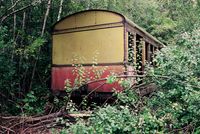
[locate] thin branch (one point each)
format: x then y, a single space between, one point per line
6 97
15 11
7 129
189 126
91 92
181 82
16 2
120 76
142 76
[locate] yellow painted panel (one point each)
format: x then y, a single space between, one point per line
108 43
70 22
85 19
88 18
107 17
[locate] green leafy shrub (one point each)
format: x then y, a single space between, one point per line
113 120
35 102
177 74
19 91
7 72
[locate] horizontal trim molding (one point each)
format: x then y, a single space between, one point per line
88 28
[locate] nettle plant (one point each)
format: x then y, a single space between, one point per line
94 73
83 75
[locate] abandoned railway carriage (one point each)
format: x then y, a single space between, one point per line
98 36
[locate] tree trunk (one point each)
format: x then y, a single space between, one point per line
60 10
14 24
42 34
21 43
45 17
23 21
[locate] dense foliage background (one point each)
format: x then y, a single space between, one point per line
25 59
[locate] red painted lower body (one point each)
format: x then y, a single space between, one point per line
61 74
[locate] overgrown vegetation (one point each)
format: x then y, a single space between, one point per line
172 108
25 55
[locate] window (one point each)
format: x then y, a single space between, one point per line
130 48
151 54
139 53
148 52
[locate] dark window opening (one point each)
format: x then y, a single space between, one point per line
139 53
151 54
148 52
130 48
154 55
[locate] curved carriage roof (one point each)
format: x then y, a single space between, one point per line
123 19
